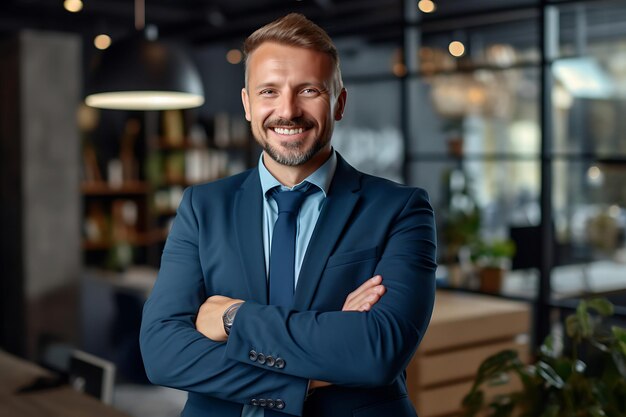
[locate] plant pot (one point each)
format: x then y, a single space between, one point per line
491 279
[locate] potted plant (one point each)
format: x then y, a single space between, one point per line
460 225
493 259
559 383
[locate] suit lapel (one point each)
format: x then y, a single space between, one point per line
249 232
338 207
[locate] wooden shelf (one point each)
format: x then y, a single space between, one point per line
165 212
143 239
165 144
104 189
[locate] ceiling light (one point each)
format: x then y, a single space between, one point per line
595 176
234 56
138 74
102 41
456 48
427 6
142 74
73 6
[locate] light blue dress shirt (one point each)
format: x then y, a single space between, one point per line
307 218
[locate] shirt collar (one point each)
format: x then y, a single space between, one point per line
322 177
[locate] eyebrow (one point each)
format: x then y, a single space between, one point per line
270 84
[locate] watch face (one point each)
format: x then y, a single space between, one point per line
229 317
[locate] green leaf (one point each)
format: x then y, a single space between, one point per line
603 306
584 320
551 411
620 335
547 347
549 375
473 403
502 378
572 326
619 359
495 365
503 409
563 367
596 411
599 345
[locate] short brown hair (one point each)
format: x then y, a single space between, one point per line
296 30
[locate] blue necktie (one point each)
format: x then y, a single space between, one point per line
283 252
283 249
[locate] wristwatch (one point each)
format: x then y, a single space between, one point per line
229 316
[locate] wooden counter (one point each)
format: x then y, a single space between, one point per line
464 330
62 401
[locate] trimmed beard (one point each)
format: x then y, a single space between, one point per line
294 157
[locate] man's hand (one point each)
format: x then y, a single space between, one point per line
209 319
364 297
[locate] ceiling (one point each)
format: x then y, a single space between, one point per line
205 21
201 21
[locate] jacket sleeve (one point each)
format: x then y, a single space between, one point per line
353 348
175 354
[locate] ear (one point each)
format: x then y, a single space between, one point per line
341 104
245 99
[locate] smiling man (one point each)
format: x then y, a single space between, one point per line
292 98
300 287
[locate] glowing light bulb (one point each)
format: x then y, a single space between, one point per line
234 56
456 48
427 6
73 6
102 41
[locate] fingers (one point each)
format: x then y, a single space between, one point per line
364 297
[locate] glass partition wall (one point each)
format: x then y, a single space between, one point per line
512 117
589 150
475 142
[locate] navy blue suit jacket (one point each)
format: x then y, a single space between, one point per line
367 226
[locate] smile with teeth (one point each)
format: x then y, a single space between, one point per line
282 131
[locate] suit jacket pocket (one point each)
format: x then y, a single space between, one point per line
400 407
352 257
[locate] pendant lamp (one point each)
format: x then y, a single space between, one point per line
139 73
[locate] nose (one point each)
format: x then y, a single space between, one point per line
288 106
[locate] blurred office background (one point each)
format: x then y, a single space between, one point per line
510 114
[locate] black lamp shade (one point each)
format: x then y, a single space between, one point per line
139 74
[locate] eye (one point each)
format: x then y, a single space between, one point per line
311 92
267 92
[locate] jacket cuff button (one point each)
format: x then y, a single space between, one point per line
271 403
280 404
252 355
270 361
262 403
254 402
260 358
279 363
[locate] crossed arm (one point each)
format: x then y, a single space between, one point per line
209 320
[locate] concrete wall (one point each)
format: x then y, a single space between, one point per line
42 198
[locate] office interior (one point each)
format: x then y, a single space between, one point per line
510 114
